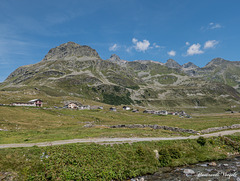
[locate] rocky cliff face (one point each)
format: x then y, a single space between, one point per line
172 64
72 69
71 51
189 65
116 59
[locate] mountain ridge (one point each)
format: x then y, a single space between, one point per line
116 81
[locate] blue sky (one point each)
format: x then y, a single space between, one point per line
186 30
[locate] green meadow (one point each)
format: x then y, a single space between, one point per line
28 124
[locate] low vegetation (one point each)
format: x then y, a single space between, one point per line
106 162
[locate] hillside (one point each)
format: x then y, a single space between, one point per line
78 71
217 70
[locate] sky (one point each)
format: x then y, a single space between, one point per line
186 30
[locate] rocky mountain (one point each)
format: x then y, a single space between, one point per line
189 65
217 70
172 64
71 51
116 59
72 69
220 70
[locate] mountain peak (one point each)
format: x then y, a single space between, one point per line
189 65
216 61
116 59
172 64
70 51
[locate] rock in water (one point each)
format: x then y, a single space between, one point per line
188 171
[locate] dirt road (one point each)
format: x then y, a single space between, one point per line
113 140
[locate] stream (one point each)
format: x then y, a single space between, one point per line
221 170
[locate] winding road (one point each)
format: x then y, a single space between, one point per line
114 140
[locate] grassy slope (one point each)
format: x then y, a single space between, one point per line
37 125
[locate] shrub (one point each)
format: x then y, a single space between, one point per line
164 157
140 151
201 140
175 153
211 141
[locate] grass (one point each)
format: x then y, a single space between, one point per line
38 125
105 162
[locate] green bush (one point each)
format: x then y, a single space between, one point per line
164 157
211 141
140 151
201 140
175 153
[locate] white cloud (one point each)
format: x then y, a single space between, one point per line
114 47
134 40
187 43
214 26
129 49
211 26
141 46
210 44
172 53
156 46
194 49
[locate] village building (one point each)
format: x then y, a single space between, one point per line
126 108
96 107
32 103
82 107
149 111
112 109
163 112
72 105
135 110
36 102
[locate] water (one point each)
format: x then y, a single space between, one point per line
222 170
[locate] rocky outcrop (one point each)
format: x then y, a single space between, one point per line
155 126
209 130
189 65
70 51
116 59
172 64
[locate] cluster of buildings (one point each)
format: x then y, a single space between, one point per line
164 112
79 106
126 108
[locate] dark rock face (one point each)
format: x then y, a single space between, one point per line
70 50
172 64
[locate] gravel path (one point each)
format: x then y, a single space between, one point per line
113 140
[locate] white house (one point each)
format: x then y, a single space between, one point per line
126 108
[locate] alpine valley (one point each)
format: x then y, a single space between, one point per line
78 71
